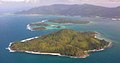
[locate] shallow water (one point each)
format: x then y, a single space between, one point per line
13 28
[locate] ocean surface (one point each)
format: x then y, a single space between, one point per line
13 28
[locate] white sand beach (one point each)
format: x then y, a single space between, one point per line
43 53
29 39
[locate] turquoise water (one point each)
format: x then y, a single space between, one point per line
52 25
13 28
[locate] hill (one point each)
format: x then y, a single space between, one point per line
74 10
65 42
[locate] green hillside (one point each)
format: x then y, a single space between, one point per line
66 42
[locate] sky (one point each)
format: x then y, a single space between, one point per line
107 3
17 5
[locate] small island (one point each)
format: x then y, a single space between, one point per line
65 42
54 23
69 21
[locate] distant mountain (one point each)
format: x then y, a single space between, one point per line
74 10
6 8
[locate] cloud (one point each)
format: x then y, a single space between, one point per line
12 0
62 1
97 1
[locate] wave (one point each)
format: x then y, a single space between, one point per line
44 21
29 27
10 50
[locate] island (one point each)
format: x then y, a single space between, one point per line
69 21
59 23
65 42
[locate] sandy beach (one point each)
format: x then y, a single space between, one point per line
29 39
43 53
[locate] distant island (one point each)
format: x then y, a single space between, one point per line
84 10
64 42
68 21
54 23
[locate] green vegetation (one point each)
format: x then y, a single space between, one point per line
39 28
39 24
56 23
66 42
68 20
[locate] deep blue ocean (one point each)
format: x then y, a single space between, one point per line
13 28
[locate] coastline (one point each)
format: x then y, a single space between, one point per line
97 35
42 21
98 50
29 27
8 48
31 52
37 53
29 39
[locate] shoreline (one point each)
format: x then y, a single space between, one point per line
31 52
54 54
29 27
8 48
29 39
97 35
98 50
42 21
37 53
